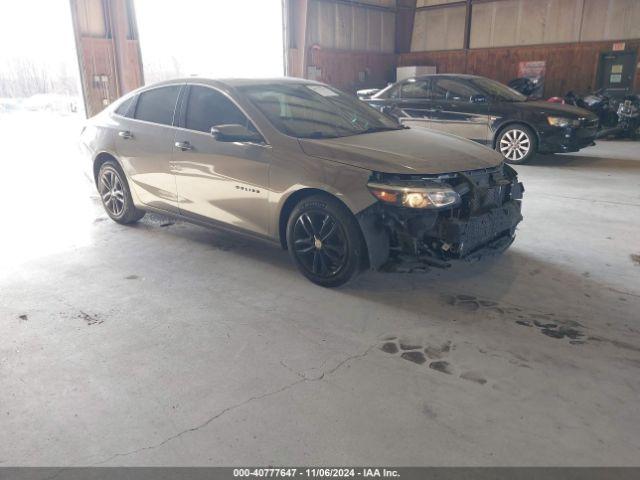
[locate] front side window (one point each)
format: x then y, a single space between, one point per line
158 105
497 90
415 89
207 108
392 91
453 90
316 111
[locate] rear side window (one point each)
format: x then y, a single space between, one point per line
158 105
125 106
207 108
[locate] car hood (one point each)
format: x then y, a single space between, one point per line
550 108
406 151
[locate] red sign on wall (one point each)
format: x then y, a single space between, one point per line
534 71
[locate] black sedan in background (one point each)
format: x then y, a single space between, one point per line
488 112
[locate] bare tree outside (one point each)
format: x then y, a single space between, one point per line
38 65
160 68
24 77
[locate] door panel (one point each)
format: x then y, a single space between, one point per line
223 181
146 148
415 106
455 110
462 119
147 160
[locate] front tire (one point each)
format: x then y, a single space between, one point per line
115 194
325 241
517 144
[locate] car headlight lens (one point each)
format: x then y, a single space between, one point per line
563 122
436 196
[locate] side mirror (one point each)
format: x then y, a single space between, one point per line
478 99
235 133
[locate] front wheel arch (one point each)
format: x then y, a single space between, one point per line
348 247
509 123
529 131
291 202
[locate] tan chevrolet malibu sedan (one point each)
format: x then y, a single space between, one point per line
298 163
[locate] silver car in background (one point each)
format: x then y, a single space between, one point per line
342 186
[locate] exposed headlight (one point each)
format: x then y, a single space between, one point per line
563 122
415 197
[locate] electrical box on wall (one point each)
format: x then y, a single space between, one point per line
403 73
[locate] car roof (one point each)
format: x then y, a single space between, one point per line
444 75
235 82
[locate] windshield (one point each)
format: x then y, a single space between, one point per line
316 111
497 90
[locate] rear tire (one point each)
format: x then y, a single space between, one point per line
325 241
517 144
115 194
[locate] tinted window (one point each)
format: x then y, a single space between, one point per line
124 107
497 90
415 89
316 111
453 90
157 105
207 108
392 91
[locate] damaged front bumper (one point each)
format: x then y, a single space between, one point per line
484 223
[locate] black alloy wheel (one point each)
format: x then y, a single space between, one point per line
325 241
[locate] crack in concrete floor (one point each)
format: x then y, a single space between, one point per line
222 412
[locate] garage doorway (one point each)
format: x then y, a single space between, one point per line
615 72
212 39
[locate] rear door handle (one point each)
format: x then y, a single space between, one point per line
184 146
125 134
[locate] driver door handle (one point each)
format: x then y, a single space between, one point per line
125 134
184 146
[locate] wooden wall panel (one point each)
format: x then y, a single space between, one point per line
342 69
569 66
99 72
339 25
439 29
610 19
503 23
109 58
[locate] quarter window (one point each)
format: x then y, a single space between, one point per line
158 105
207 108
125 106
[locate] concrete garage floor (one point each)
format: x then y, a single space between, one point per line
169 344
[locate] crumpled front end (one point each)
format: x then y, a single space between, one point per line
482 221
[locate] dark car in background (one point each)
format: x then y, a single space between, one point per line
487 112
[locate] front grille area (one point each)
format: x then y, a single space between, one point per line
466 236
484 220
